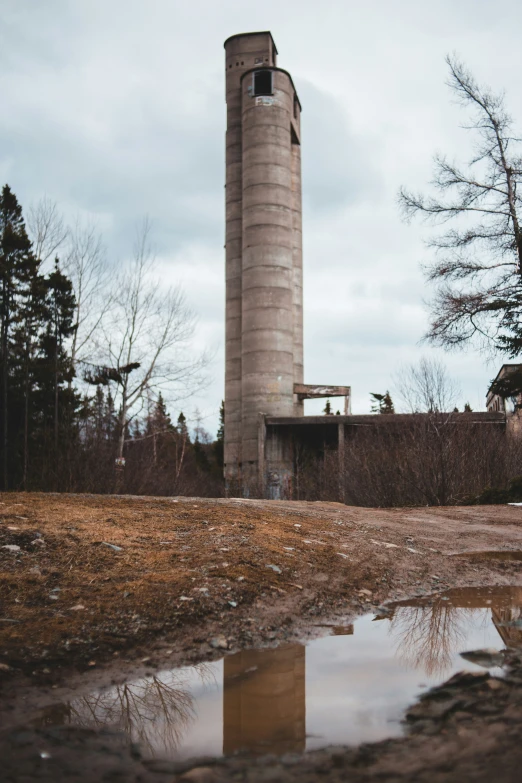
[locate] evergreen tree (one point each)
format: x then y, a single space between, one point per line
200 455
219 443
161 421
382 403
56 367
327 408
18 270
182 427
468 408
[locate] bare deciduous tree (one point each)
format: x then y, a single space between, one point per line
426 387
478 269
146 337
86 266
46 228
83 260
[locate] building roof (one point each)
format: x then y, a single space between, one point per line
259 32
499 374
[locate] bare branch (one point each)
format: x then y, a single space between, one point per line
483 249
46 229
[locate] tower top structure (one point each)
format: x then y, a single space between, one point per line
266 33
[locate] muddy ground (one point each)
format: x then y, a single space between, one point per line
95 590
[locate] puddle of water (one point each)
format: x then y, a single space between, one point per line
494 554
350 687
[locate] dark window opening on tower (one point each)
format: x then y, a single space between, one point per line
263 83
296 106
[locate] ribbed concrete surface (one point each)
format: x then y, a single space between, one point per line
264 320
241 53
267 348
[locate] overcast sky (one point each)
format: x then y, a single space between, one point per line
115 109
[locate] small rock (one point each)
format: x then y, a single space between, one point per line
364 591
77 607
91 663
54 597
44 754
241 579
219 643
112 546
38 541
465 679
185 598
485 658
200 775
233 604
46 671
274 568
11 547
433 710
4 667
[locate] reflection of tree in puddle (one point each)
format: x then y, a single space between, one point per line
429 632
427 637
154 711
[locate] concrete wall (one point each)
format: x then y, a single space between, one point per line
267 350
241 54
264 312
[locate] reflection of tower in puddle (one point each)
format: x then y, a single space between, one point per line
264 708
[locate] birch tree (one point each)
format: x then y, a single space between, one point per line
146 338
86 266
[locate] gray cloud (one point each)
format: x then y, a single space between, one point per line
117 110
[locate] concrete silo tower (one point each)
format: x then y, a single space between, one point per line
264 311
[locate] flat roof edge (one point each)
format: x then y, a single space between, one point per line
258 32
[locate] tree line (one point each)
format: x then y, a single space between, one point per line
86 357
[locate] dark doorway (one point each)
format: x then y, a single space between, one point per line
263 82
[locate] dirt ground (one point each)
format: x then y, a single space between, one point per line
97 589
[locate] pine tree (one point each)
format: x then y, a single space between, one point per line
56 365
18 269
382 403
159 426
182 427
219 443
327 408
